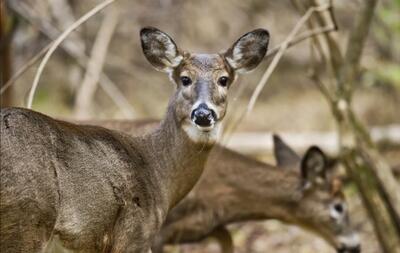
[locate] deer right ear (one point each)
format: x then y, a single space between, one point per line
313 166
248 51
285 156
159 49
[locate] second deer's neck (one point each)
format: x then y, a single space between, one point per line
254 191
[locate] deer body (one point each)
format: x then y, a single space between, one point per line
90 189
92 192
235 188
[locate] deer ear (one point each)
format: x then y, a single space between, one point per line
313 166
159 49
285 156
248 51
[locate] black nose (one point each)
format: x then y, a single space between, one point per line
203 116
356 249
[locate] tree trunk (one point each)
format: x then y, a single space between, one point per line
5 52
374 179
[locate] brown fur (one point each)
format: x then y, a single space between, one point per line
85 184
236 188
90 189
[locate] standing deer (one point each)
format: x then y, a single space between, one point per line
90 189
234 188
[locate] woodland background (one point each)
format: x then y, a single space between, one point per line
289 104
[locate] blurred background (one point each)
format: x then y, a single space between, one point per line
130 88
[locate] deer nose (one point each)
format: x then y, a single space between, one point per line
354 249
203 116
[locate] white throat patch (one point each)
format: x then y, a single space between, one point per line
198 135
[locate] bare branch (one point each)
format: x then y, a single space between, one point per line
306 35
81 59
95 64
335 55
280 53
316 48
379 190
272 66
57 42
24 68
354 48
389 186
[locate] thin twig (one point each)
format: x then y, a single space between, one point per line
24 68
315 77
303 36
306 35
335 54
273 65
354 49
58 41
95 64
280 53
80 58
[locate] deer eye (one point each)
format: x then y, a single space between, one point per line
337 211
223 81
338 207
186 81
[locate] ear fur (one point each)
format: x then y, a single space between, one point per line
313 166
160 50
285 156
248 51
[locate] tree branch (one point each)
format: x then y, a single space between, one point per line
373 177
58 41
81 59
264 79
95 64
354 49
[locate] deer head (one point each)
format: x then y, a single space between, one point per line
321 206
202 80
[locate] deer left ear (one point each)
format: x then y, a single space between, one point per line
313 166
285 156
248 51
159 49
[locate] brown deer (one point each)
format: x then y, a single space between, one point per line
90 189
234 187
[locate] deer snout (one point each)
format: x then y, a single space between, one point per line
203 116
354 249
350 244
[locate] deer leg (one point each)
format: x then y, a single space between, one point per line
224 239
158 245
131 226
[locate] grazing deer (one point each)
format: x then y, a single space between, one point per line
236 188
90 189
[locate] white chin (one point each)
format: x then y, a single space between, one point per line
199 134
206 129
351 240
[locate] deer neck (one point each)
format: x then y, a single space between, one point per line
257 191
178 162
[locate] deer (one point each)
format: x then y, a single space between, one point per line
82 188
300 191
